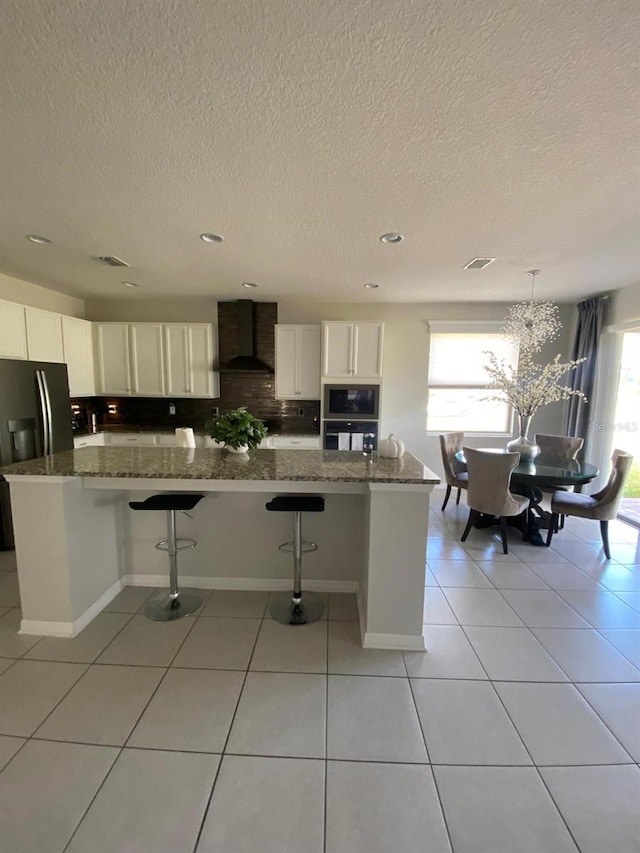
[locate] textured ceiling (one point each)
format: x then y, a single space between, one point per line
301 130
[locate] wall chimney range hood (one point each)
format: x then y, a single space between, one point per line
245 341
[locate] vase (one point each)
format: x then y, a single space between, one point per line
242 449
523 445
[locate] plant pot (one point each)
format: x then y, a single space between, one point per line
242 449
523 445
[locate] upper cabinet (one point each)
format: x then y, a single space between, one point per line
44 335
77 344
13 331
352 350
155 359
113 364
297 362
147 359
188 353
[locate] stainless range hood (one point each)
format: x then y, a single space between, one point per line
245 358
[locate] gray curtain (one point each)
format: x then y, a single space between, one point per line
585 344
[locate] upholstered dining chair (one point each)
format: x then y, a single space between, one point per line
560 446
602 507
488 490
454 473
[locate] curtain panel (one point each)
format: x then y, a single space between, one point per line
585 345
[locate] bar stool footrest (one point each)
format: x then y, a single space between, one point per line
163 545
307 547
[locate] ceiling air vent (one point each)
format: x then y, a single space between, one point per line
112 261
478 263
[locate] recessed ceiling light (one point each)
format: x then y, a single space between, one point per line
36 238
211 238
130 284
478 263
392 237
371 286
248 284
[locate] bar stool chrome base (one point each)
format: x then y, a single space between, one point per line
161 607
288 610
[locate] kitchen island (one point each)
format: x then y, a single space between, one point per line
78 543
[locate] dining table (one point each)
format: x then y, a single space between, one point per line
543 473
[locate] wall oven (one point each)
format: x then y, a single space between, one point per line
351 402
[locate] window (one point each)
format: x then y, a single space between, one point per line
458 381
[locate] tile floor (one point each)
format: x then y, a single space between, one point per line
517 732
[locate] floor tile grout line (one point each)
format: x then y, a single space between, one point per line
433 775
600 630
224 746
93 799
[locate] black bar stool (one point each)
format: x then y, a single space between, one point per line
167 605
292 609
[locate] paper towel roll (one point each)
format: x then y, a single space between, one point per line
185 437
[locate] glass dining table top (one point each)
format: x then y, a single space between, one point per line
545 469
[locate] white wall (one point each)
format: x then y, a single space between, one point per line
17 290
624 307
138 309
406 352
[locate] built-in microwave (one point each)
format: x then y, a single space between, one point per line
352 402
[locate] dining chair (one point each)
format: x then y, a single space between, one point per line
602 507
560 447
488 490
454 471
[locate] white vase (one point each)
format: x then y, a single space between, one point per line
523 445
242 449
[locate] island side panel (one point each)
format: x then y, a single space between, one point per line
238 542
393 582
68 551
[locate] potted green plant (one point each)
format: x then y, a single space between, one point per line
238 430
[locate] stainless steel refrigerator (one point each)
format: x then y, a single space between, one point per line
35 420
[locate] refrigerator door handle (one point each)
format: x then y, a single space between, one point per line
47 400
45 415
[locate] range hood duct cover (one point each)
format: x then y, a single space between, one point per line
246 359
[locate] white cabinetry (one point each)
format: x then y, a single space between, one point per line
155 359
188 351
297 362
295 442
147 359
77 345
113 367
131 439
44 335
13 332
97 440
352 350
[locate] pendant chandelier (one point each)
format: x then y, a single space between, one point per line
534 323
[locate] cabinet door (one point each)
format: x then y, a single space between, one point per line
13 332
203 382
44 335
286 354
308 361
367 347
337 350
177 358
147 359
112 358
78 355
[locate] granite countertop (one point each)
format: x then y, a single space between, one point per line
173 463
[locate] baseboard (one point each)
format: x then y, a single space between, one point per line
259 584
401 642
71 629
